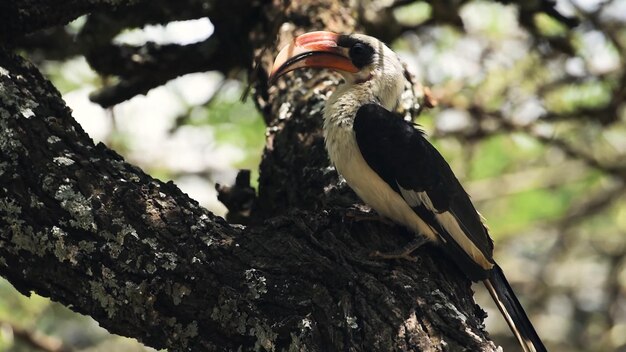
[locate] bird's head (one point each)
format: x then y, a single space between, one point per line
358 57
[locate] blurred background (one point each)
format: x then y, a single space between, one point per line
531 115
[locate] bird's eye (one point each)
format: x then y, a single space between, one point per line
357 50
361 54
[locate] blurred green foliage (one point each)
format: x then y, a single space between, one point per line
237 123
573 97
413 14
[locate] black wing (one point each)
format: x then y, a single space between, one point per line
402 156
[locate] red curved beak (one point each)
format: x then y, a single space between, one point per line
313 49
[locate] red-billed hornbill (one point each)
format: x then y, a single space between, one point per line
389 163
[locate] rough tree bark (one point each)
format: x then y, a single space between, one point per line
80 225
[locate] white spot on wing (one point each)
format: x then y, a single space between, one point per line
410 196
426 201
417 198
449 222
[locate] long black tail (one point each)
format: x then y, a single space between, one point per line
512 310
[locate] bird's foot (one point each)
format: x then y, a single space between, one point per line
393 255
404 252
357 214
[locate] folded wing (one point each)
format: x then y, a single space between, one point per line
397 151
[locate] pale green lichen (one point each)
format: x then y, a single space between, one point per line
170 262
151 268
9 209
87 247
35 203
4 167
140 300
305 325
181 333
61 250
256 282
191 330
128 230
9 143
265 337
100 294
78 207
178 292
152 242
285 111
7 97
24 238
115 248
11 95
116 242
53 139
296 345
27 112
107 273
317 107
227 313
209 241
63 161
23 235
351 322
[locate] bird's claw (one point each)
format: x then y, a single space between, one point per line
404 252
359 215
394 255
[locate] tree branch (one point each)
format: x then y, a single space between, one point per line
83 227
21 17
152 65
142 68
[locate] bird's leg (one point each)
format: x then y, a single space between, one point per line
404 252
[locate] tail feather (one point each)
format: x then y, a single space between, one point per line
512 310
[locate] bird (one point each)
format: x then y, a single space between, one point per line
392 167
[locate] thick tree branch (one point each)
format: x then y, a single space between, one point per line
81 226
141 68
152 65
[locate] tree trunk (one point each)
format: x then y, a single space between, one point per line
80 225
